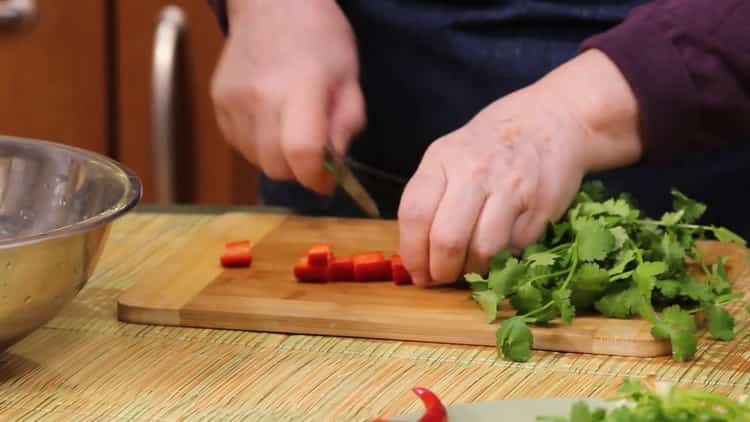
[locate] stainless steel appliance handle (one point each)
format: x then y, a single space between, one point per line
14 13
169 29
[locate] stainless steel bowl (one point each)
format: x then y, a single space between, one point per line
56 206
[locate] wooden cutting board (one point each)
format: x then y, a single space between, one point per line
191 289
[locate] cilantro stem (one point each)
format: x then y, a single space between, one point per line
570 272
573 268
678 225
648 307
560 247
543 276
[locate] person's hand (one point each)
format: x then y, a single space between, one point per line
287 84
497 181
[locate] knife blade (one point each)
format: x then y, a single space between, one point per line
349 183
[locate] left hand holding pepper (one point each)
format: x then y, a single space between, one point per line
496 182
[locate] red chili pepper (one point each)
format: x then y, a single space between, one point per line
319 254
398 271
310 273
434 409
371 266
237 254
341 269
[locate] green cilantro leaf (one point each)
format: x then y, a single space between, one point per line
678 326
619 302
591 276
672 218
697 290
692 210
720 322
476 282
618 207
594 240
645 276
671 251
561 298
499 260
514 339
488 301
725 235
542 258
669 288
588 284
527 298
622 259
621 236
720 277
502 281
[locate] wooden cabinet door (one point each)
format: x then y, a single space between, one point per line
53 74
206 169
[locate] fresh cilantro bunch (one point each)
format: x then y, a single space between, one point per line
671 403
604 256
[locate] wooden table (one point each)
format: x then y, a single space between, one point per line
86 365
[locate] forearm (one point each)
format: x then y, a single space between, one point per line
687 64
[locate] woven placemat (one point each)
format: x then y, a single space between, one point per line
86 365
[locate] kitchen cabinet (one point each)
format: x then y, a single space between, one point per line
82 72
53 72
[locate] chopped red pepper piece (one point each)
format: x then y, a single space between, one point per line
310 273
319 254
341 269
371 267
237 254
398 271
434 409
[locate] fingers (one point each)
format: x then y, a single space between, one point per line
348 115
304 134
492 232
416 213
267 137
452 228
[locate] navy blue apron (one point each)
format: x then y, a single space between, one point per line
427 67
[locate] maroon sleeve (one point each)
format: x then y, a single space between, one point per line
688 63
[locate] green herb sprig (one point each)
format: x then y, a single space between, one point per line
604 256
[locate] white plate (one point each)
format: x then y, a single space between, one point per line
524 410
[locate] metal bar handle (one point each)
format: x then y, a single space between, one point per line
169 28
15 13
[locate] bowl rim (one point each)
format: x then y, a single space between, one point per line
132 194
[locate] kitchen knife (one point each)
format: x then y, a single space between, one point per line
346 179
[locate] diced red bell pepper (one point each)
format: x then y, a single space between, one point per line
371 266
341 269
398 271
237 254
307 273
319 254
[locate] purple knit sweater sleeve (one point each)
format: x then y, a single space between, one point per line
688 63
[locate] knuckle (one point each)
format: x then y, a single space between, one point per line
447 241
412 210
248 94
